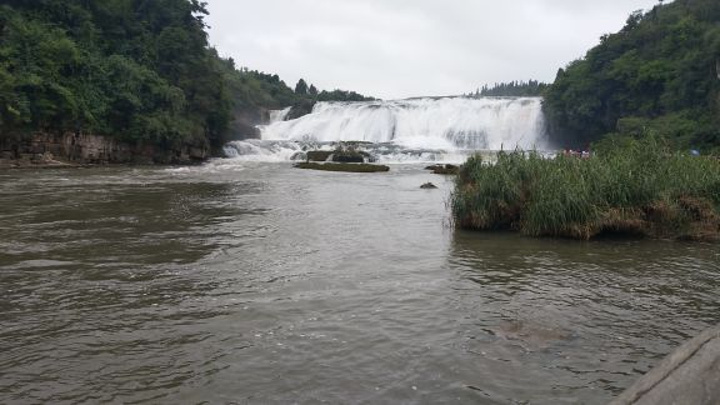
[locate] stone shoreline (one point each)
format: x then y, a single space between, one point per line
79 150
36 163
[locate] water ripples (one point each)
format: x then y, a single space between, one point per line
270 285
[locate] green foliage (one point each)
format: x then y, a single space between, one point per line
341 95
135 70
661 67
35 62
637 186
531 88
140 72
301 88
251 89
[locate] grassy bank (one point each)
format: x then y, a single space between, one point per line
632 187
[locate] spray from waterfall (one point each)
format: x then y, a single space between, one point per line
413 130
443 123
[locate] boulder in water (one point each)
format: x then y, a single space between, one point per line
318 155
339 155
348 156
443 169
300 109
428 186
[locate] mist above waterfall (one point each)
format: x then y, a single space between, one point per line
429 123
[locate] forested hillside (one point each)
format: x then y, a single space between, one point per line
659 74
140 70
531 88
135 70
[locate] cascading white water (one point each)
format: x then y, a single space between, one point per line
279 115
428 123
403 131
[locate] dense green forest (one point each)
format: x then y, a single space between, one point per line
142 70
253 88
531 88
138 70
659 74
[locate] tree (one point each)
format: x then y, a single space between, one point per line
531 88
137 70
301 88
660 69
122 68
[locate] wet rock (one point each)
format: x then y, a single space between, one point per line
318 155
301 108
343 167
447 170
428 186
43 148
339 156
443 169
348 156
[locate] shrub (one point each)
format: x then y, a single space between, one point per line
630 186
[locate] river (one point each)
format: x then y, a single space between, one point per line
258 283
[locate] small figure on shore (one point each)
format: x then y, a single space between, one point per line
584 154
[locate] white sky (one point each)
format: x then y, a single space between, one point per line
403 48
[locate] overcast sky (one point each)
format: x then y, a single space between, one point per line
403 48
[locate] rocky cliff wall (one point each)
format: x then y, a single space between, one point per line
245 122
71 148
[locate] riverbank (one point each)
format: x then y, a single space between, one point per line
78 149
39 161
639 188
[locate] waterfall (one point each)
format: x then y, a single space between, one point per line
458 123
278 115
402 131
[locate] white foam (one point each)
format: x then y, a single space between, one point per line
444 123
441 130
262 151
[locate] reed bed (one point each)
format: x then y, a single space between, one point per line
637 187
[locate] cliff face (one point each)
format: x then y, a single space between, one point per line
245 121
71 148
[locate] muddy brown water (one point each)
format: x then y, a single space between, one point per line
259 283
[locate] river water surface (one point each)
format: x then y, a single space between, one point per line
260 283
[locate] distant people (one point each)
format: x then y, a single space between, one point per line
585 154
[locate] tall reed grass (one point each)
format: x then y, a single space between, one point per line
634 186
